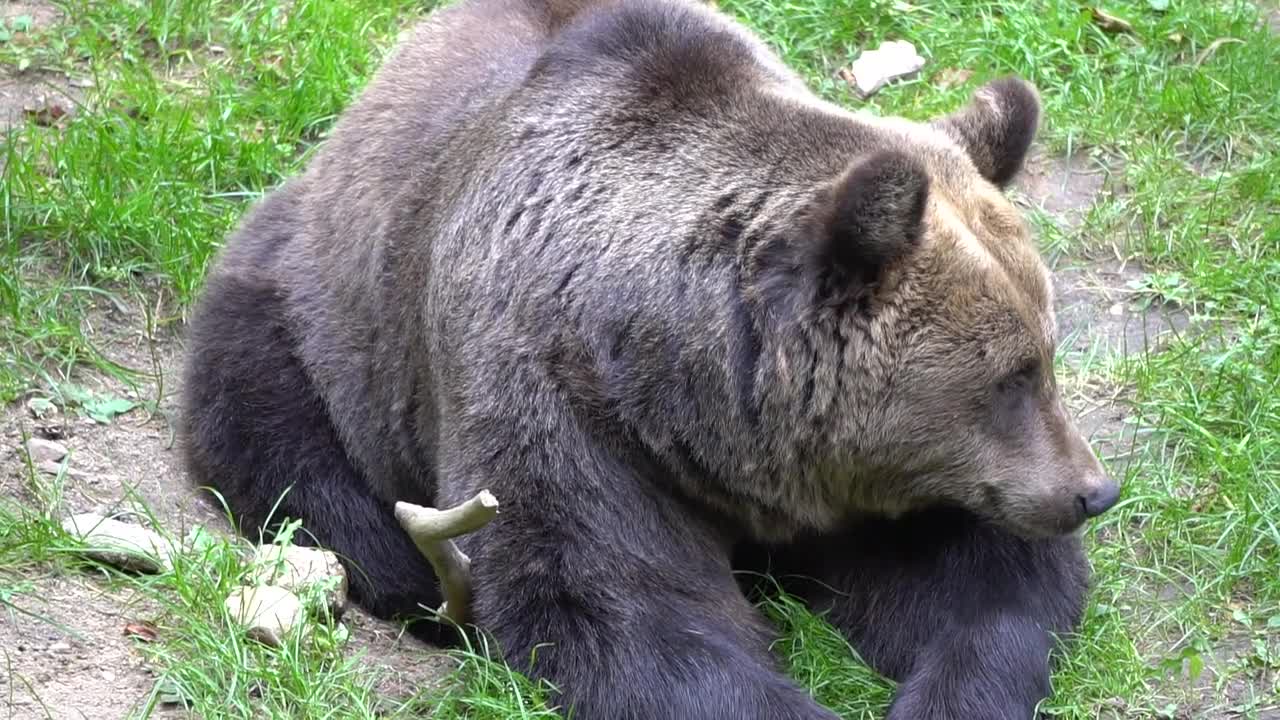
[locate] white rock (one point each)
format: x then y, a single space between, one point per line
875 68
268 613
298 568
126 546
54 467
42 451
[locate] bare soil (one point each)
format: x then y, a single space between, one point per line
33 90
79 663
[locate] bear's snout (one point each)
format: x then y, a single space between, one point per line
1100 499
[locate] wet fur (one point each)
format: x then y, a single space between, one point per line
614 263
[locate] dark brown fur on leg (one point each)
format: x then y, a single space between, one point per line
961 613
257 432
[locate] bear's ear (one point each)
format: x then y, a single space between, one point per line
996 127
870 217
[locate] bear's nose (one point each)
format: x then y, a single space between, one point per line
1100 499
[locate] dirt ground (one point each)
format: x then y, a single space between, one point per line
88 668
32 91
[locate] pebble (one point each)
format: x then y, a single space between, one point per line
45 451
54 467
60 647
268 613
297 568
875 68
126 546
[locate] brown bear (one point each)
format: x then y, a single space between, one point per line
611 260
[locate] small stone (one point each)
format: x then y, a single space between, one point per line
126 546
60 647
268 613
297 568
108 676
54 467
45 451
875 68
1116 309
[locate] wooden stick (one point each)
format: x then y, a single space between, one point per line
432 531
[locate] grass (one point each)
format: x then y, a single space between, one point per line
198 107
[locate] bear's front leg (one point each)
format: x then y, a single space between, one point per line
994 667
962 614
624 600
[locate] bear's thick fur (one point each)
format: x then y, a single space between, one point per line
611 260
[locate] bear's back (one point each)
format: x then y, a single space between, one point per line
543 182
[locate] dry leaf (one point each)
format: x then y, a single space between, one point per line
145 632
1208 52
1109 22
47 113
951 77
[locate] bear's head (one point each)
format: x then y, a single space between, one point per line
928 335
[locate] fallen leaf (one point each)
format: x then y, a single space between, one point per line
47 113
168 692
41 408
1208 52
146 632
951 77
1109 22
105 409
1158 5
1176 38
101 408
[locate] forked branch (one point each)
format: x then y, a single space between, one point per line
433 530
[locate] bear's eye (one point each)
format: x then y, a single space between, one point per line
1013 399
1022 379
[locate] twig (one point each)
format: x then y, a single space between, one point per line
432 531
